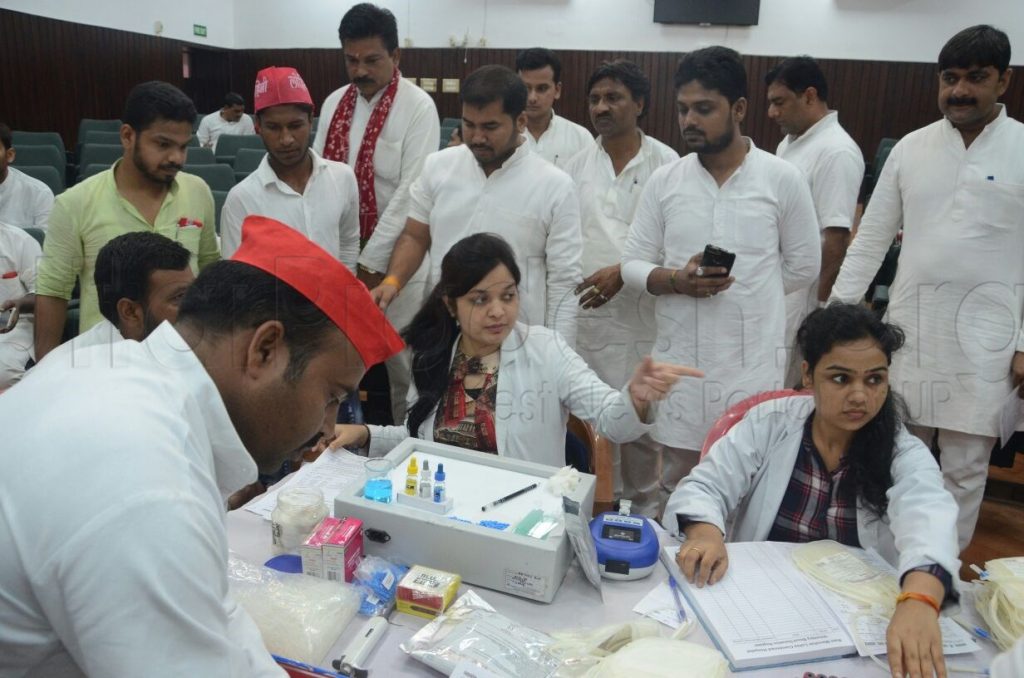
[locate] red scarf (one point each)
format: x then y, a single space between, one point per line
336 148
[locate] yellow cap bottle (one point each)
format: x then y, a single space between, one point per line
411 477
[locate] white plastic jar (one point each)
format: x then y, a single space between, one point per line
299 510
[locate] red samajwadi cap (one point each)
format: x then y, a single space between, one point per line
279 85
291 257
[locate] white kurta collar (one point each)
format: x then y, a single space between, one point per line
234 468
830 119
953 134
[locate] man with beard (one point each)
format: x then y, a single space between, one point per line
956 188
144 191
494 183
732 195
293 184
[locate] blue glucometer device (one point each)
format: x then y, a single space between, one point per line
627 546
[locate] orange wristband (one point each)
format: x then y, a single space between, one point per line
391 280
920 597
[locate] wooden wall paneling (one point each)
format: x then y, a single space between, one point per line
54 73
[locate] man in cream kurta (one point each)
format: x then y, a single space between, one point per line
739 198
833 165
494 184
956 187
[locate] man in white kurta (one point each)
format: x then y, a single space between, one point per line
548 134
833 165
956 188
19 253
293 184
615 326
113 547
410 131
732 195
24 201
494 184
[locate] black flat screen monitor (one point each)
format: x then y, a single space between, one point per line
707 12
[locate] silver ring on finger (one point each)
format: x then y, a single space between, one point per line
700 271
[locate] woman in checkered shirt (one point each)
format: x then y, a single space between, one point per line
834 463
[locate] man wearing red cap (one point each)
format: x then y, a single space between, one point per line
293 183
383 127
113 554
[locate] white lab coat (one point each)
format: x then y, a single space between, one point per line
113 547
528 202
764 214
959 288
615 336
739 486
540 381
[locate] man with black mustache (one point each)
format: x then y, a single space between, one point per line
956 188
494 183
143 191
615 327
383 127
732 195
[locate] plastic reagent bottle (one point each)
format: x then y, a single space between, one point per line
411 473
439 485
425 492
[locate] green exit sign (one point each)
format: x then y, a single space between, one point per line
199 29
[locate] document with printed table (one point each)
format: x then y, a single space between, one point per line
765 612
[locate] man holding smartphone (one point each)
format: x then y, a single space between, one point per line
19 252
724 313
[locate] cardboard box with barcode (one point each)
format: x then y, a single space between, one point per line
484 556
334 549
426 592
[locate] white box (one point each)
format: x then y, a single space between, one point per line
499 560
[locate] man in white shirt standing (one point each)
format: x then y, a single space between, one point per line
956 187
731 325
494 183
24 201
293 184
549 135
615 326
113 560
833 165
382 127
230 119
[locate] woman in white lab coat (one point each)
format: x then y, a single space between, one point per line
837 464
484 381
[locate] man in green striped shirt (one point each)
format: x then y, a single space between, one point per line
143 191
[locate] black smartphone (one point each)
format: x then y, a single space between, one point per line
716 256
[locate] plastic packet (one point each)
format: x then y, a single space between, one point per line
537 524
581 649
377 579
299 617
662 658
471 631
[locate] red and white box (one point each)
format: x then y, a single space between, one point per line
343 550
311 550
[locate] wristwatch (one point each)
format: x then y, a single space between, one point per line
367 269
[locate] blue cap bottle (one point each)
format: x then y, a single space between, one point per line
439 485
